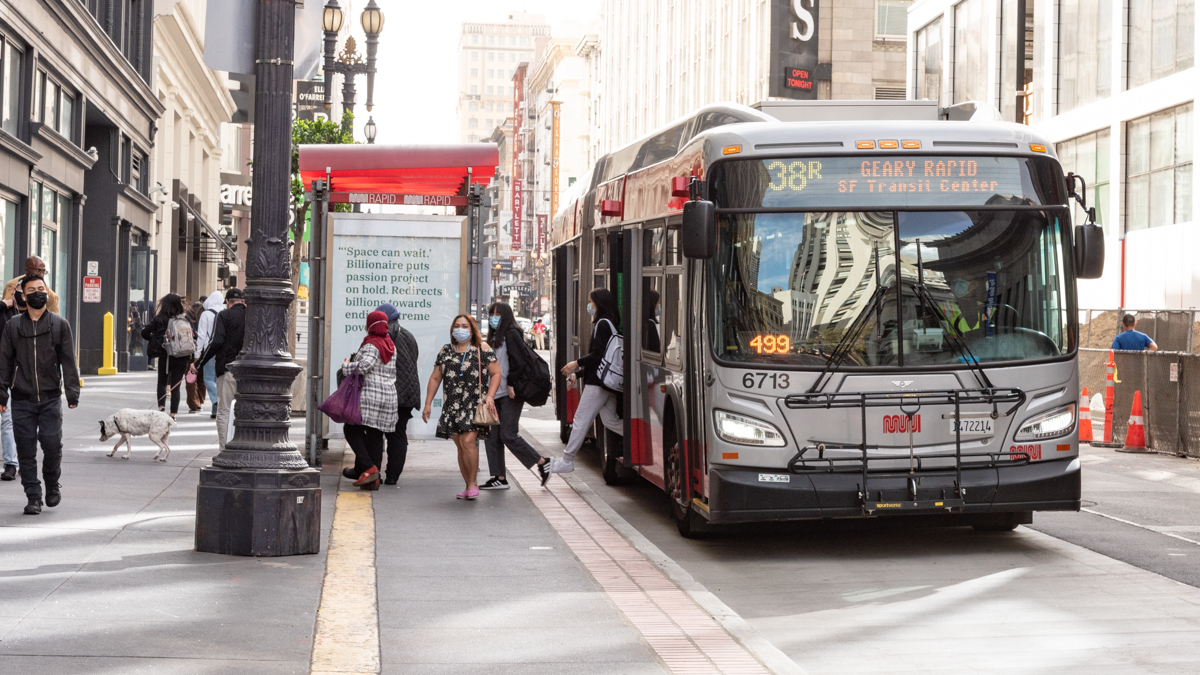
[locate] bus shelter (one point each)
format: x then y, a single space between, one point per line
400 175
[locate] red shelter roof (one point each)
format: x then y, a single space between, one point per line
433 170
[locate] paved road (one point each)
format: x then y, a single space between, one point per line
1074 593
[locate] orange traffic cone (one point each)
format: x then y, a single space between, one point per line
1135 435
1085 419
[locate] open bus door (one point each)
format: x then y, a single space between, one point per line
616 454
566 339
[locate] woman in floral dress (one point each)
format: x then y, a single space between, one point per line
464 368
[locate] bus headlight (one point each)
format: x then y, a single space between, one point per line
747 430
1057 422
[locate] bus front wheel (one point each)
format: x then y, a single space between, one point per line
679 495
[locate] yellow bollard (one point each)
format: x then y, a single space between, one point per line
108 368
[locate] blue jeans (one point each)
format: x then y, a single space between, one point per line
210 383
7 440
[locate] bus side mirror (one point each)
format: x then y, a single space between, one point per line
1089 251
699 229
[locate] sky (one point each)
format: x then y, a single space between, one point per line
416 85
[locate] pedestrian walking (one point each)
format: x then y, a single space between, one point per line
213 305
195 387
377 402
596 400
226 343
1132 340
539 334
37 360
463 368
8 443
516 366
34 266
408 392
171 333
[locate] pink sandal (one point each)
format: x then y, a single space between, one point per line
461 495
472 493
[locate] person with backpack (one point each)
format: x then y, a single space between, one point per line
37 361
518 375
171 332
213 305
195 387
596 400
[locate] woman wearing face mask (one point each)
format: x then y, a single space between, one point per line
171 369
596 400
464 368
516 365
378 399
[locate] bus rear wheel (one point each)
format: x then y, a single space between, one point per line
690 524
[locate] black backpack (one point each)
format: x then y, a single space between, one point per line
534 387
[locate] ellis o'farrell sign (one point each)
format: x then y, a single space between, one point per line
794 48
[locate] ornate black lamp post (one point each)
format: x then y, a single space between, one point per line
259 497
369 131
349 63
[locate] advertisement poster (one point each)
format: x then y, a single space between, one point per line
413 262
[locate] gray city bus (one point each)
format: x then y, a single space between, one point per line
834 319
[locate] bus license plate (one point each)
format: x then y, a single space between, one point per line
980 427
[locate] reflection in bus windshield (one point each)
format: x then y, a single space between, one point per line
788 286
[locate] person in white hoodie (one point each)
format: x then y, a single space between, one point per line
204 331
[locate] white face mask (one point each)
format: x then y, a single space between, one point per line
461 334
591 310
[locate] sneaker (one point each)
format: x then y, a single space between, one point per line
53 495
212 416
495 483
10 472
472 493
371 474
461 495
34 506
559 465
543 471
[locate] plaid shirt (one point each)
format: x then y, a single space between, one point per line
378 401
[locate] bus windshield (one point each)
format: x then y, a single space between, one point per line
789 286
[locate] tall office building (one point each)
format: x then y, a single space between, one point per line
488 54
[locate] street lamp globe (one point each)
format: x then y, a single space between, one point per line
369 130
372 19
332 17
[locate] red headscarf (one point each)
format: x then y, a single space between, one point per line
377 334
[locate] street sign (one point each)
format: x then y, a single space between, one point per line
504 266
91 287
93 268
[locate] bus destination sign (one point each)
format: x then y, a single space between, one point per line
890 181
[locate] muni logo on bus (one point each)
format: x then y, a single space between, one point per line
898 424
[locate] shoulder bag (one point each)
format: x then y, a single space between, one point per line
485 413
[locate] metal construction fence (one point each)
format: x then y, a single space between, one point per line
1169 379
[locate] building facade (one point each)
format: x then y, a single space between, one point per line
488 55
77 129
1112 84
186 162
661 59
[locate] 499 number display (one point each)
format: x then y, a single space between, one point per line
771 344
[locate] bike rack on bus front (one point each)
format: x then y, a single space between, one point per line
908 403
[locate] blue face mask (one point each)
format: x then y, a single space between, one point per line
591 310
494 322
461 334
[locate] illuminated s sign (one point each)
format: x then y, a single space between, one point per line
804 18
794 39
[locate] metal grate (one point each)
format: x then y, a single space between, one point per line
890 94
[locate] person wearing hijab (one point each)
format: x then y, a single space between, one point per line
213 305
374 361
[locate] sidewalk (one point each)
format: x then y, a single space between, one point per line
107 582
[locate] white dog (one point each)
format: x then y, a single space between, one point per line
129 422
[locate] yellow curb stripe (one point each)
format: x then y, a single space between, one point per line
347 634
682 634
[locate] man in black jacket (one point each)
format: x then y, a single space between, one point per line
37 358
226 343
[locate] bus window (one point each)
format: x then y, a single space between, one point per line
653 247
674 255
671 315
652 314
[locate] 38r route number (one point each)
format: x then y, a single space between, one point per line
766 380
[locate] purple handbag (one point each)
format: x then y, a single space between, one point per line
342 406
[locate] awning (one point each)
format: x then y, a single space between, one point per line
399 174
